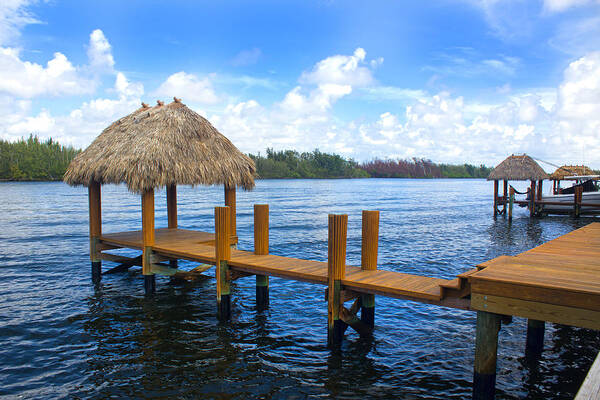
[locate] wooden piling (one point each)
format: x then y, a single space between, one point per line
535 338
495 198
95 210
486 349
336 271
148 240
369 250
511 202
532 195
222 256
505 196
578 196
172 213
230 201
261 247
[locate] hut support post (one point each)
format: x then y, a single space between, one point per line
148 240
95 209
222 256
532 199
369 249
230 201
511 202
505 196
495 198
336 270
486 350
172 213
535 338
261 247
578 195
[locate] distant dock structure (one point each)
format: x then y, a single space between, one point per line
583 198
170 145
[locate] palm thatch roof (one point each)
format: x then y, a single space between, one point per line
158 146
571 170
518 168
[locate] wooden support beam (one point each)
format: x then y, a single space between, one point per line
222 256
535 338
578 196
532 199
495 198
336 271
261 247
95 210
369 252
486 350
148 240
539 190
511 202
505 196
172 213
230 201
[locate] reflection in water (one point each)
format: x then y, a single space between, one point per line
62 337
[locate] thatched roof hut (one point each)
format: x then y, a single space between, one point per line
160 146
518 168
571 170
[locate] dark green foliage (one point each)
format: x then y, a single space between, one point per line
32 160
422 168
292 164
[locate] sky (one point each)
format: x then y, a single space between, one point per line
451 80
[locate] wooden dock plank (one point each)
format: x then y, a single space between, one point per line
590 389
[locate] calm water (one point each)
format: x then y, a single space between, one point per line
62 337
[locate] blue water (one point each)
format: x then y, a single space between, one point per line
62 337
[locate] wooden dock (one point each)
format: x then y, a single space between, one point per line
558 281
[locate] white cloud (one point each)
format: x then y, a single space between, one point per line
246 57
188 87
342 70
13 17
562 5
99 52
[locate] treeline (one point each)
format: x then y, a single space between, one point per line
315 164
422 168
34 160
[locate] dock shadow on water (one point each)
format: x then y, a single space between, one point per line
63 337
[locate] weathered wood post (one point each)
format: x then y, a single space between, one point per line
535 338
148 240
486 352
336 271
511 201
505 196
368 261
578 196
172 213
261 247
532 199
495 198
222 256
230 201
95 209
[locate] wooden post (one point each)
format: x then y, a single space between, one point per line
369 249
230 202
511 201
261 247
95 209
554 191
505 196
535 338
532 199
539 190
148 240
578 196
222 256
172 213
486 350
495 197
336 271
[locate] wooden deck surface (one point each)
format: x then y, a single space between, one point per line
558 281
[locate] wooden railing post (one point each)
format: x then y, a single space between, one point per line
336 271
172 213
261 247
222 256
369 249
511 201
486 353
495 198
148 240
505 196
230 201
95 209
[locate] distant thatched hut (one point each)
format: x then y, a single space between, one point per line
517 168
570 171
154 147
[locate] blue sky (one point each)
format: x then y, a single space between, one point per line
452 81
